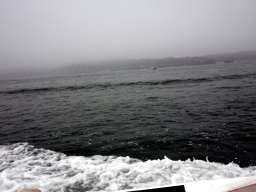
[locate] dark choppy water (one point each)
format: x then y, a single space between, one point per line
177 112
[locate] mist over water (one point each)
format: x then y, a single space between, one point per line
112 129
46 34
91 131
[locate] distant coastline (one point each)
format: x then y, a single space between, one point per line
126 64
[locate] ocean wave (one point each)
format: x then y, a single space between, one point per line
138 83
24 166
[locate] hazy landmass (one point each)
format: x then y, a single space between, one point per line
125 64
236 56
153 63
122 34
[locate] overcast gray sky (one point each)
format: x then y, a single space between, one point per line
55 32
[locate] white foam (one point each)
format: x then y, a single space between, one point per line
21 166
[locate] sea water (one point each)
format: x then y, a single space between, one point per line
127 129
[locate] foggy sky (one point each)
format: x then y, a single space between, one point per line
51 33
